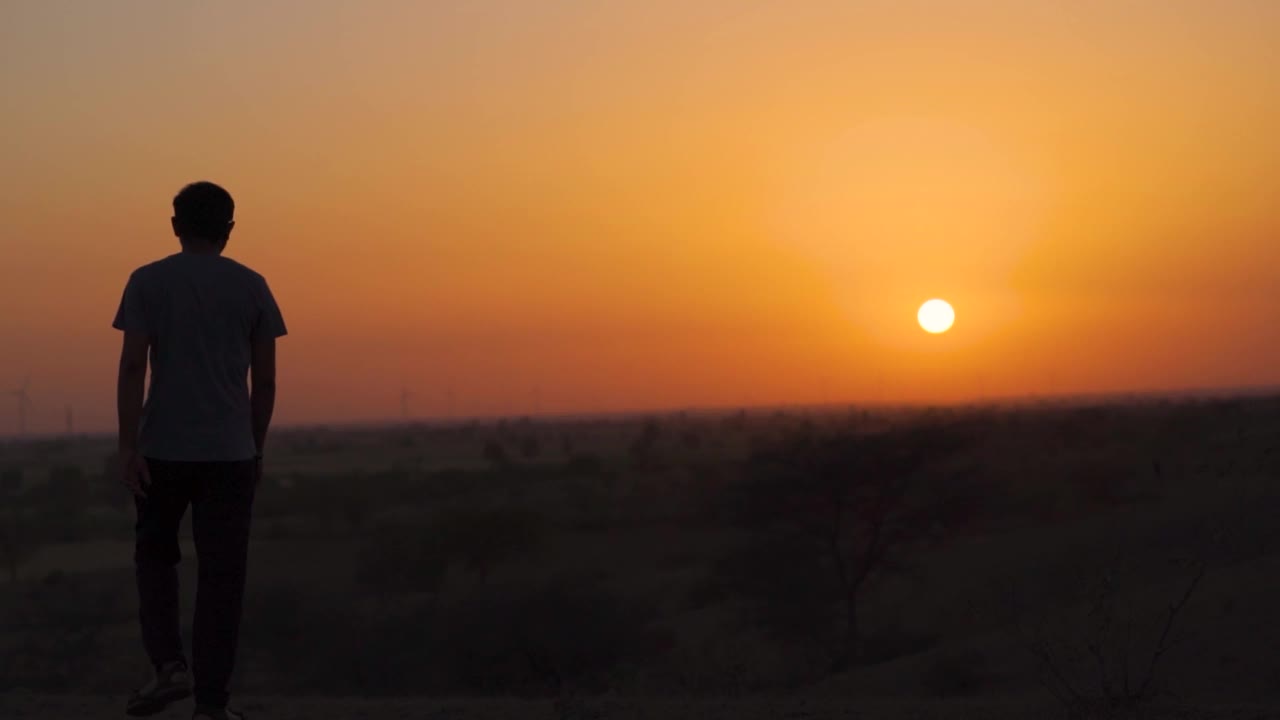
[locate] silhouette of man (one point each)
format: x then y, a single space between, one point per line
206 323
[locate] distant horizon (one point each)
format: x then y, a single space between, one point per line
1007 402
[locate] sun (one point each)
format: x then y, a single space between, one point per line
936 316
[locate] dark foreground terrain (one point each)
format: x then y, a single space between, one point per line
1102 560
21 706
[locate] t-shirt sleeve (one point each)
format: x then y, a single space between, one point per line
270 323
131 316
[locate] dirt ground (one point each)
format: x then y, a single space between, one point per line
19 706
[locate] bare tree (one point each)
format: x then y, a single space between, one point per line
1102 659
847 507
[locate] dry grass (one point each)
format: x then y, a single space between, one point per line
21 707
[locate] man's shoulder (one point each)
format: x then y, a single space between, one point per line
151 269
180 263
221 270
240 268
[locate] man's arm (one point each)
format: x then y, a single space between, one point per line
262 395
130 387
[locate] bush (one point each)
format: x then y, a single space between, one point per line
1102 656
415 558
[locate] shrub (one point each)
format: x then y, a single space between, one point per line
1103 657
415 558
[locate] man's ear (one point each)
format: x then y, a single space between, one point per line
173 221
231 226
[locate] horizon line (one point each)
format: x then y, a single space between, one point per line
1009 401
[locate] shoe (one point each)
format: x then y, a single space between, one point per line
171 684
217 714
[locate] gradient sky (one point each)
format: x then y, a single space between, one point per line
612 205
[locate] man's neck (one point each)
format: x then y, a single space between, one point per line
201 247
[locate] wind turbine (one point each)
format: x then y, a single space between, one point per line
24 404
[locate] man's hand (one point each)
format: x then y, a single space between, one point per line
257 471
134 473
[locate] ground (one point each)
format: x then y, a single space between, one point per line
502 559
17 706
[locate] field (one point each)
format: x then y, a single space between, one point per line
1087 560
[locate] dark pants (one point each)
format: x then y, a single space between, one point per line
221 499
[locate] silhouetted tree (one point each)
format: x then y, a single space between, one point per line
496 455
1103 657
644 447
829 514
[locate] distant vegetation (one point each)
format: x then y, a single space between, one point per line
1105 556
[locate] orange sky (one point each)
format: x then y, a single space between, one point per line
657 203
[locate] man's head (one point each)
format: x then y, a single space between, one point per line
203 212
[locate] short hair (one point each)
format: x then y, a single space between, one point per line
203 209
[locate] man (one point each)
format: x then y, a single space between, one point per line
206 323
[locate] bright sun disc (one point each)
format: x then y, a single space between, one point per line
936 316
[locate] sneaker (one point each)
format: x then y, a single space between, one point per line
171 684
217 714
